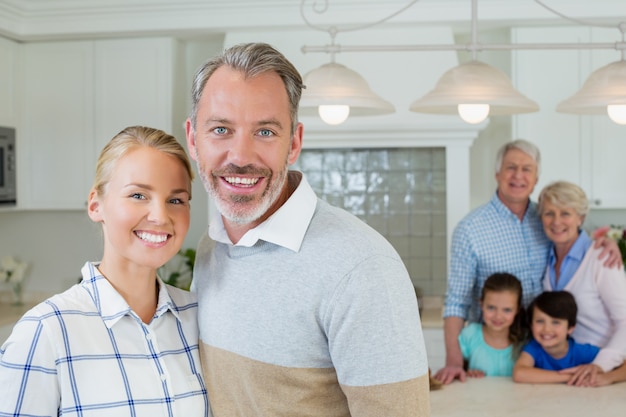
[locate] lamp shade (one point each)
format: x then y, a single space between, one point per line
334 84
605 86
474 82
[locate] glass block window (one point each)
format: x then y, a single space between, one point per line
399 192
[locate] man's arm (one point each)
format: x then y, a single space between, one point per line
452 327
376 342
461 281
611 286
29 355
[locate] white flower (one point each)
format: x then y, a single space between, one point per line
11 270
18 274
177 271
615 233
9 263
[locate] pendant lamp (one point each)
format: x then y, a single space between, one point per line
334 92
604 92
474 90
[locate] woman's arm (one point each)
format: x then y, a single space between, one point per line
582 375
525 371
616 375
28 372
611 284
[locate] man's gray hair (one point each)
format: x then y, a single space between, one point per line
523 145
251 59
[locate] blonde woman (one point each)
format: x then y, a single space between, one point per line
121 342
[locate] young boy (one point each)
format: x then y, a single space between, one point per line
552 320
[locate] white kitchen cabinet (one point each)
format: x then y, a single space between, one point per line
8 76
56 133
606 144
133 85
586 150
77 96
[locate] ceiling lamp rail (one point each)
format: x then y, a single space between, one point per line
338 48
474 89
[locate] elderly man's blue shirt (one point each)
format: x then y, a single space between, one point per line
492 239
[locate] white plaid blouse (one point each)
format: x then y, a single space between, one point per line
85 353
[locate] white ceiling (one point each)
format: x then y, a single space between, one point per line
53 19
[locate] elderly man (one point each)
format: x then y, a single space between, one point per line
504 235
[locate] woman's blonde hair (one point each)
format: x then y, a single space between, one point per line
131 138
565 195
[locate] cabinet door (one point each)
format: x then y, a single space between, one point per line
133 85
8 73
607 148
57 125
586 150
607 143
548 77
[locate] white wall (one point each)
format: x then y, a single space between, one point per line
58 243
55 244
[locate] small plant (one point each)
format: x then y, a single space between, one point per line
618 233
178 271
12 272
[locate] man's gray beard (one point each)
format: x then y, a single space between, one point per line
268 198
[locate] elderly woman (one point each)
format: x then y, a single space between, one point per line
600 291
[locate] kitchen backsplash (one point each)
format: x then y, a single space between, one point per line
399 192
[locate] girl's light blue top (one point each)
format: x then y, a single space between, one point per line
481 356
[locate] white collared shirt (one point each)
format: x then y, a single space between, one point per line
286 227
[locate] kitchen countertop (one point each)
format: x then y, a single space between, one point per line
497 397
431 318
431 313
9 313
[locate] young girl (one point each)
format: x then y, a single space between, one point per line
552 321
490 348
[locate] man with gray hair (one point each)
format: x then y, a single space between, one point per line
504 235
304 310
